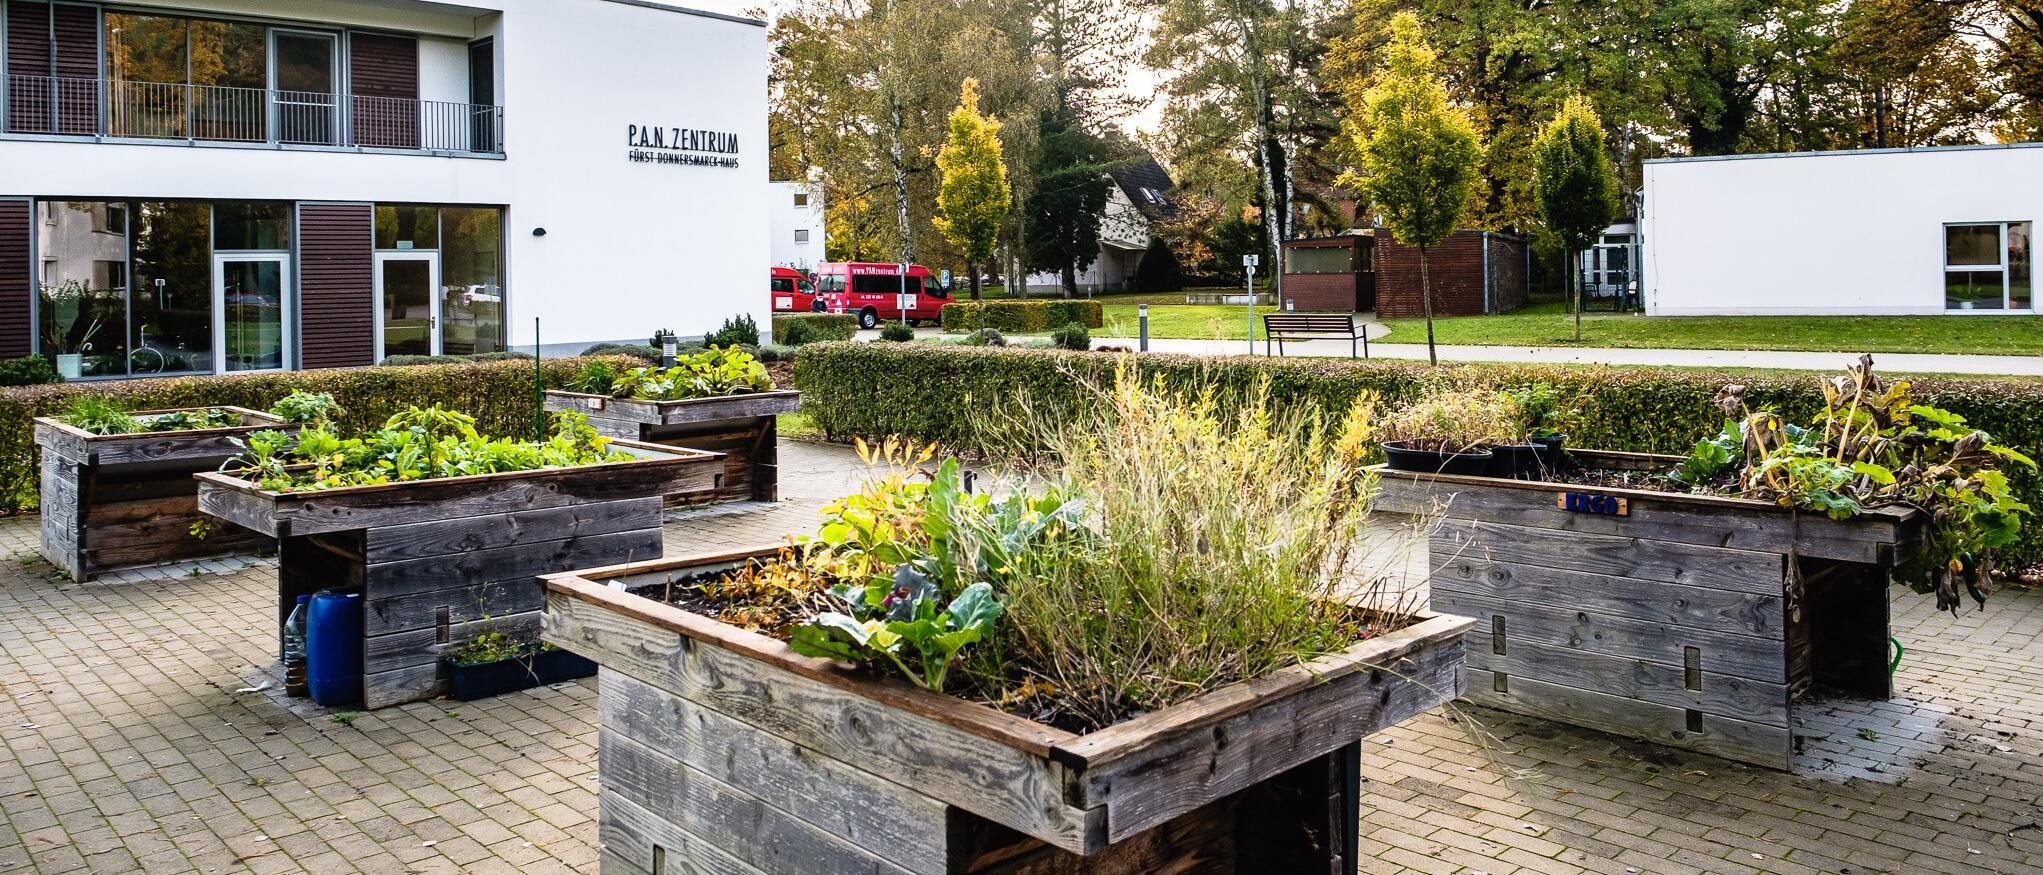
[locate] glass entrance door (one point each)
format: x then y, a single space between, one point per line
408 311
250 314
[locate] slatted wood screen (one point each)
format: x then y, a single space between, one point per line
336 285
383 75
17 286
52 68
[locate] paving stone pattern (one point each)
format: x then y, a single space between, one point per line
142 729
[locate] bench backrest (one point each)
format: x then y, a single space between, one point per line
1318 323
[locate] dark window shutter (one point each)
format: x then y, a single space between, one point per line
52 68
383 77
77 31
336 285
17 286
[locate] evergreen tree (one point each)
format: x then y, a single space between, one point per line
1061 228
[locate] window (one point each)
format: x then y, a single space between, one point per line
1320 259
82 311
186 78
1986 266
872 284
252 225
783 285
407 227
472 271
801 235
801 198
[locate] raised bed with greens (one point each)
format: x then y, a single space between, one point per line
1153 652
444 529
1695 601
720 400
117 484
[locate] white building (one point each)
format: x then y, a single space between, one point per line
1139 197
1891 231
234 185
798 235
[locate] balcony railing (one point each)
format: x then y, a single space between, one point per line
209 113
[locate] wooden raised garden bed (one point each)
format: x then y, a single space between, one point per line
441 561
721 750
743 427
1657 615
127 500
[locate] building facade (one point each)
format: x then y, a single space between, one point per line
799 238
1879 232
1473 273
1139 198
217 186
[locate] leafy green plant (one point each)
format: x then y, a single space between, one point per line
596 377
1073 337
985 337
737 330
1454 421
188 420
30 371
101 415
1540 413
895 332
418 443
490 646
718 371
307 408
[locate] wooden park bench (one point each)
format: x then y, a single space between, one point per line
1280 327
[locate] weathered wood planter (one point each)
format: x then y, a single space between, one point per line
1656 615
441 561
125 501
721 750
742 427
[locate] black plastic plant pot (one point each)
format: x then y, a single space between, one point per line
1517 462
483 680
1553 455
1473 463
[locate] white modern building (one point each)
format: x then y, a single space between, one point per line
199 186
797 225
1890 231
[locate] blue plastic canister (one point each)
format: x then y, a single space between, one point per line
333 647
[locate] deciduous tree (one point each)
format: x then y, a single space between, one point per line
973 198
1575 186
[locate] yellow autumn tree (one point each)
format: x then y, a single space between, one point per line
973 199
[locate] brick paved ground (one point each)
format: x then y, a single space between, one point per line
127 743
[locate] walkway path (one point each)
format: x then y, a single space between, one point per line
142 730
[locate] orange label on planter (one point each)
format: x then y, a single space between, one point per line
1582 502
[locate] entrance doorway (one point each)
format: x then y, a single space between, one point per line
408 304
251 312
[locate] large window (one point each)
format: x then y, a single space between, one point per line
1321 259
1986 266
464 248
173 301
183 78
82 306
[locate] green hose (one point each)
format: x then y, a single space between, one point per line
1897 654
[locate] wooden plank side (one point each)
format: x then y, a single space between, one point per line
1730 738
1196 769
738 822
429 500
1617 556
1744 656
382 616
1670 603
630 834
59 514
444 537
1739 528
904 747
412 683
419 646
235 506
1644 680
888 820
518 563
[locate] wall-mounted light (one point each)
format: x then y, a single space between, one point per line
538 232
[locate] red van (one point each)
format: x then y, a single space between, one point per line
793 293
872 292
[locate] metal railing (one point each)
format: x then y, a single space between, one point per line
210 113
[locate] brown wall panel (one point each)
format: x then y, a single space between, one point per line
336 285
17 294
1456 270
383 76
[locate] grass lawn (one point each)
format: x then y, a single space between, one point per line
1549 324
1169 316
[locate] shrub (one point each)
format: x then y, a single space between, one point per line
498 394
897 333
1021 317
773 352
736 331
985 337
1072 337
659 338
31 371
795 329
928 392
647 354
409 360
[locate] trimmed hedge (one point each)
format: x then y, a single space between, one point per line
498 394
795 329
1021 317
931 393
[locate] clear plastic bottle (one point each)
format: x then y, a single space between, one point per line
294 650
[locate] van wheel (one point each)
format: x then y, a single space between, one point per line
868 318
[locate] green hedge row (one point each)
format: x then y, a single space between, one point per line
1021 317
498 394
932 393
795 329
